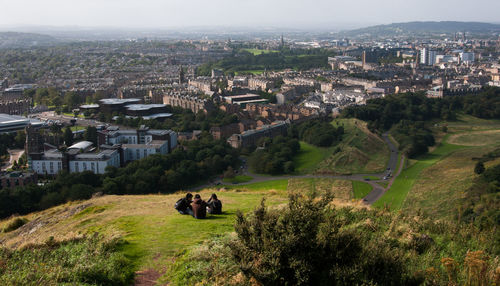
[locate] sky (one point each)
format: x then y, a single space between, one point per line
238 13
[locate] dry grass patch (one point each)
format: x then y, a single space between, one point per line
476 138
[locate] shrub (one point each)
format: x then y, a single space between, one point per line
15 224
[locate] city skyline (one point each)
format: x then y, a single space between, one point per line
223 13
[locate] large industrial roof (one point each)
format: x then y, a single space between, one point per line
110 101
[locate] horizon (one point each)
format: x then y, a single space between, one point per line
278 14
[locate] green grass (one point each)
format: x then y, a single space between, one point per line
257 52
77 128
73 115
396 195
361 151
309 157
279 185
238 179
254 72
361 189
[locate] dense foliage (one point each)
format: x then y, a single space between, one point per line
308 242
276 157
201 160
318 132
88 261
407 115
11 140
294 59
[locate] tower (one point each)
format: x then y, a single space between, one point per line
363 59
282 44
181 75
463 37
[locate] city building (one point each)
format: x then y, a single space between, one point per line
15 179
251 137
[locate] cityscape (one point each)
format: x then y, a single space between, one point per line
356 153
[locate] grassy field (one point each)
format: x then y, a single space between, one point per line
440 188
361 189
403 184
153 229
254 72
257 52
435 181
309 156
361 151
280 185
238 179
476 138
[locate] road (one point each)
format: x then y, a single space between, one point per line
372 197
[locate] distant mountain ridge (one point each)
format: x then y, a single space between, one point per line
448 27
24 40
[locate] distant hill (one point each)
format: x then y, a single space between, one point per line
23 40
420 28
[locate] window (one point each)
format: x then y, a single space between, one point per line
137 155
145 153
84 166
92 166
76 167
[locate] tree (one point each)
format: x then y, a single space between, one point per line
479 168
68 136
91 134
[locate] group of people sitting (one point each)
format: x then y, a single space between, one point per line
197 207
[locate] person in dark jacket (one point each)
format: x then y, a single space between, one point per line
214 205
183 206
199 207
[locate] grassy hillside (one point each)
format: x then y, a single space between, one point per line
152 230
309 157
435 181
360 151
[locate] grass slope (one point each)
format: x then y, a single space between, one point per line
153 230
361 189
309 156
257 52
361 151
435 180
404 182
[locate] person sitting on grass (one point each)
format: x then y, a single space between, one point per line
214 205
199 207
183 205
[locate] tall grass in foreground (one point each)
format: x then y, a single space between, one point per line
86 261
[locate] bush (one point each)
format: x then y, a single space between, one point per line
15 224
306 243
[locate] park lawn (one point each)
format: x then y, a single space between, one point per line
360 150
396 195
257 52
309 156
361 189
238 179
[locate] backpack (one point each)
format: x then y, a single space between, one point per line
178 204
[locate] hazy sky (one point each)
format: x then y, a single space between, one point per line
276 13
